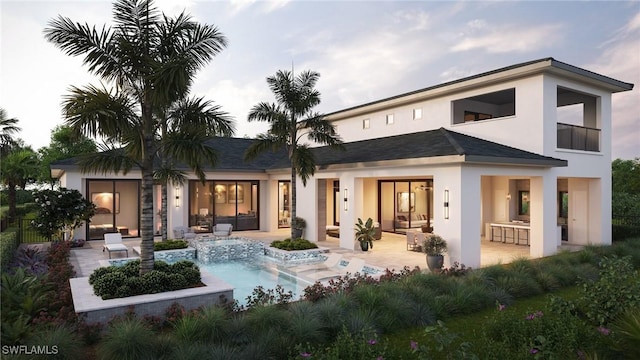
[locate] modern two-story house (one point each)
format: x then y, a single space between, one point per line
520 154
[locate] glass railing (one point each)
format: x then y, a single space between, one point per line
578 138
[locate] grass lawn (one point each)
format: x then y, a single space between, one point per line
466 326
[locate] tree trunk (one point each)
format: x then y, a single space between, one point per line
146 222
164 213
12 198
293 199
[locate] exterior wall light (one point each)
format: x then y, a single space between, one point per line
177 197
446 204
346 199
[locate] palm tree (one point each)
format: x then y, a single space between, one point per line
18 168
292 118
8 129
150 60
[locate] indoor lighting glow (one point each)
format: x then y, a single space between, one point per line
446 204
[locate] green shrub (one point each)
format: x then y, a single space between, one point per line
170 245
122 281
295 244
536 334
347 345
626 331
128 339
617 289
8 247
59 341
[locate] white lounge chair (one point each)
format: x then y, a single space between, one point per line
355 266
222 230
331 262
113 242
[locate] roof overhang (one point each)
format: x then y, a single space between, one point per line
446 160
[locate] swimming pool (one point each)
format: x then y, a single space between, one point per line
245 275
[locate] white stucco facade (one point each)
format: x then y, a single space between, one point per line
517 107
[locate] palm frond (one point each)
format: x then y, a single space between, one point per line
106 160
322 131
304 162
169 175
99 112
135 16
263 143
190 148
266 112
201 115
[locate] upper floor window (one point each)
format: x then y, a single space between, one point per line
485 106
417 114
390 119
366 124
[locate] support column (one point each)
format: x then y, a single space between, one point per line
461 229
543 215
348 217
307 198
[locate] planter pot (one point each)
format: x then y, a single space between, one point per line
435 262
364 245
297 233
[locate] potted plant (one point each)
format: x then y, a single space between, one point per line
365 233
435 247
298 225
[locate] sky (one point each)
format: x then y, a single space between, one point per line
363 50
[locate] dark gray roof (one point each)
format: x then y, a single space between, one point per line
431 144
426 144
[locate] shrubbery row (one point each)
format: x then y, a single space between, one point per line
170 245
293 244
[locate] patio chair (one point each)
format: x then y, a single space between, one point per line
183 232
412 243
222 229
113 242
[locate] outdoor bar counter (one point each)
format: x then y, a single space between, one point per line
514 232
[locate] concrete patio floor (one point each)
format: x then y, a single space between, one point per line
389 252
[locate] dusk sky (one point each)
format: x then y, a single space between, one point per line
364 51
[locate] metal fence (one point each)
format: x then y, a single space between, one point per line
27 234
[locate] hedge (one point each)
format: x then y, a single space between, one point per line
8 246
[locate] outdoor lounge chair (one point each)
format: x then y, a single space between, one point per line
113 242
222 229
332 261
183 232
355 266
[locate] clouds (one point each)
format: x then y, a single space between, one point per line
364 51
509 39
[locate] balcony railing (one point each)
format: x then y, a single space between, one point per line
578 138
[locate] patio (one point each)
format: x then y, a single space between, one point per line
389 252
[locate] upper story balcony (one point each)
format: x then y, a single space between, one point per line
578 138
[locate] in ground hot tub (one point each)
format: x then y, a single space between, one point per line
231 248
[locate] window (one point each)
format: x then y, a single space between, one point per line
485 106
390 119
365 124
417 114
523 203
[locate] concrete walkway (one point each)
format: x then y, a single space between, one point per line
389 252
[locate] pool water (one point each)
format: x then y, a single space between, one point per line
245 275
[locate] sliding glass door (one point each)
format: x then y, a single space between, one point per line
405 204
223 202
